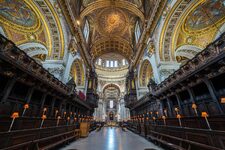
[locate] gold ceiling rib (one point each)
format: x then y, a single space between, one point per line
118 4
76 31
159 6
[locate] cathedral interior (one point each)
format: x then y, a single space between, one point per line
112 74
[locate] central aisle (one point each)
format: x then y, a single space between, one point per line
111 139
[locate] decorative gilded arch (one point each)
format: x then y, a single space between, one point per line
36 21
106 45
146 72
77 72
35 50
180 27
111 91
108 3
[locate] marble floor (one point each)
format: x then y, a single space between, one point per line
112 139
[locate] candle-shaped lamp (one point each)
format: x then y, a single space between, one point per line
179 119
194 107
56 113
176 110
14 116
25 107
44 110
205 115
58 118
42 120
68 120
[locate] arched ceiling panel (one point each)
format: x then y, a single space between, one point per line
104 46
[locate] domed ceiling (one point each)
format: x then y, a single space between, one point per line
112 25
112 21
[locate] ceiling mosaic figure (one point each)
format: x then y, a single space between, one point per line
210 13
17 12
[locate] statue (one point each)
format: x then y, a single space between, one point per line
151 85
72 46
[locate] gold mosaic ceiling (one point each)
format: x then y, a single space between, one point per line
112 26
112 21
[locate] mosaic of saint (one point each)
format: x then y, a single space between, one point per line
206 15
17 12
112 21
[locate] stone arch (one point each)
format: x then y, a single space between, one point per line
78 73
111 85
145 73
34 49
188 51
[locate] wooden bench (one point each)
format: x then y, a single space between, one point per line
160 136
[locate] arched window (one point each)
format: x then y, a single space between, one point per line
124 62
107 63
111 63
137 32
116 63
86 30
111 104
100 61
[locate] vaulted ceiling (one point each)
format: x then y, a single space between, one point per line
112 27
112 23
